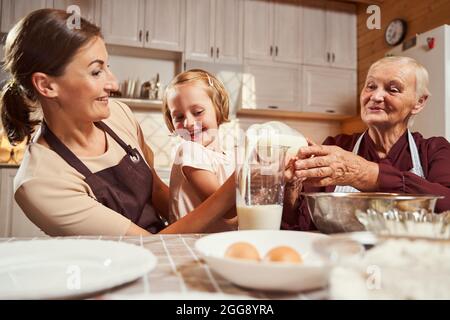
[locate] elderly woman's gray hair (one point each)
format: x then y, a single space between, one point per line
421 73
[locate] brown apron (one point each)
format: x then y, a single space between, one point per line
125 188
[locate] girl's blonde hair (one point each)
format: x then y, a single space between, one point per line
214 88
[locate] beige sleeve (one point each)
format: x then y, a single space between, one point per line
60 208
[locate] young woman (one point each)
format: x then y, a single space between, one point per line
87 169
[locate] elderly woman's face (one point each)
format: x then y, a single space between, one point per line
389 95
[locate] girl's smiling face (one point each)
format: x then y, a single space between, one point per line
193 114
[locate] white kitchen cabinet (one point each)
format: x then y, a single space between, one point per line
341 22
88 8
329 90
14 10
329 34
122 22
273 30
271 86
165 21
13 222
214 31
157 24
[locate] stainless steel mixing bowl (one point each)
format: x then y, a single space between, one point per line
336 212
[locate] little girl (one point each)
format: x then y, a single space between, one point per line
195 104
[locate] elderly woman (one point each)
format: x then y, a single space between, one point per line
387 157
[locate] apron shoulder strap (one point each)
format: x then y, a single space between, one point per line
417 165
64 152
105 127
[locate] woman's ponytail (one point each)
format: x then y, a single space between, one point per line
16 110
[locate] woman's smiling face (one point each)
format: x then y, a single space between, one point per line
388 98
86 83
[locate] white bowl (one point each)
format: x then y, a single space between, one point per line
262 275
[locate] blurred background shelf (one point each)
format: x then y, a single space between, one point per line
294 115
153 105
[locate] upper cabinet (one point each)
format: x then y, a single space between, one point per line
165 21
341 25
329 90
14 10
274 86
214 31
273 30
329 37
157 24
119 30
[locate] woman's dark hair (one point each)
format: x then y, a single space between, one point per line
44 41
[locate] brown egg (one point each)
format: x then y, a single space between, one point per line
242 250
283 254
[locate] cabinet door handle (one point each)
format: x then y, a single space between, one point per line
212 52
272 107
332 56
217 53
276 51
328 57
330 111
146 35
271 50
140 35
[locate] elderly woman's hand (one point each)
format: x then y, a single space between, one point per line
322 165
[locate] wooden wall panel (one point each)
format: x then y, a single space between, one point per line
421 15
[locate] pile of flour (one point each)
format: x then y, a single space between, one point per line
395 269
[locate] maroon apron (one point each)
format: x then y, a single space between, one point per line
125 188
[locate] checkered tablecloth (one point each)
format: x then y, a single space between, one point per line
180 270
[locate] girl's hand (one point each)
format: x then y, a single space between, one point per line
232 223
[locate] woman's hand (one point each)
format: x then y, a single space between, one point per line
289 172
321 166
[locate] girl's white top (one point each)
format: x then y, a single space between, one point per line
183 197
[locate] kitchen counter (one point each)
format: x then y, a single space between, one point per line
180 271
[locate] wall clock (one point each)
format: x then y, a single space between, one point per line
395 32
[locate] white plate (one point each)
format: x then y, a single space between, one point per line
311 274
62 268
